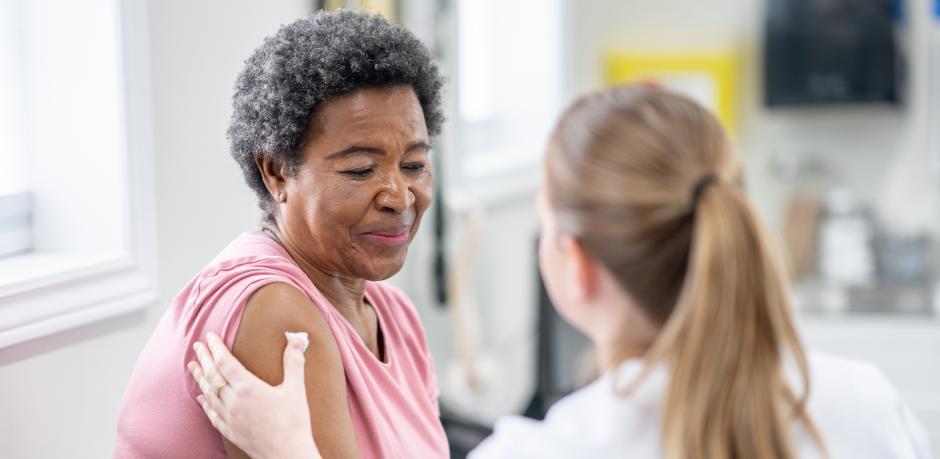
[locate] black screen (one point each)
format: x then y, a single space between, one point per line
830 51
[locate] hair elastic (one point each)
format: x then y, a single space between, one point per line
700 186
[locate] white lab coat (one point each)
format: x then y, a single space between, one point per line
858 412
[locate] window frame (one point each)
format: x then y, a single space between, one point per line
48 292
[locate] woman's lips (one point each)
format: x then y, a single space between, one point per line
389 238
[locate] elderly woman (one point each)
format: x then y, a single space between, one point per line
331 127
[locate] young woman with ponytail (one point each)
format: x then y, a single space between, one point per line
651 248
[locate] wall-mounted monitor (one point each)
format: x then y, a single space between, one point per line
830 51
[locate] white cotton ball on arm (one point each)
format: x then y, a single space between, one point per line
298 335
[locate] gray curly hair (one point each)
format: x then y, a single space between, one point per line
310 61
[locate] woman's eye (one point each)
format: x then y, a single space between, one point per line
359 173
414 167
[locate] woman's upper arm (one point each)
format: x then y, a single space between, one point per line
259 345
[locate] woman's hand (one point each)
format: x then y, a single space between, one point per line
264 421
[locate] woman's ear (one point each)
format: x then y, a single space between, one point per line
274 175
583 271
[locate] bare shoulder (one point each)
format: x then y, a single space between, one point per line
283 303
272 310
259 344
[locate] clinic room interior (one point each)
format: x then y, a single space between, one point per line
120 119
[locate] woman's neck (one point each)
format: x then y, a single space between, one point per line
628 335
610 354
346 294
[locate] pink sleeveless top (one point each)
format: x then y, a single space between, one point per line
393 405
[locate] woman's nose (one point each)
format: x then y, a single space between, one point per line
395 195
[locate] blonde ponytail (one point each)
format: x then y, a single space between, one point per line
726 341
646 181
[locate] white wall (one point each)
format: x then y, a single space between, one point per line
59 396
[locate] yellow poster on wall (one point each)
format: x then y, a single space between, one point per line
711 78
387 8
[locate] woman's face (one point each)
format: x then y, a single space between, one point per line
355 203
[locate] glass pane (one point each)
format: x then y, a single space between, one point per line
13 173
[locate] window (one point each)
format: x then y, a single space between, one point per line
15 203
508 83
77 134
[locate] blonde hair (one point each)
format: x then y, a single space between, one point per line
646 181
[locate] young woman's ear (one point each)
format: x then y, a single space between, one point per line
583 270
274 175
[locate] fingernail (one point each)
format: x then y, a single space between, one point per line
191 366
